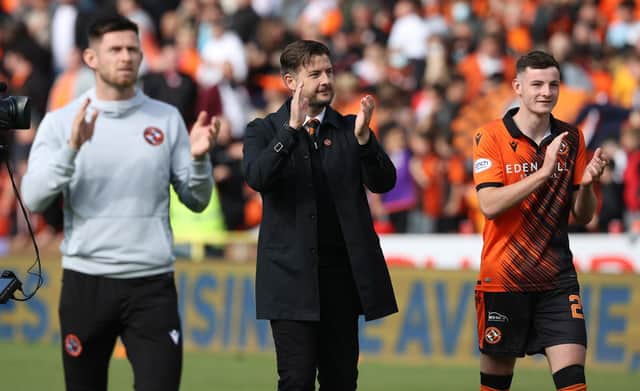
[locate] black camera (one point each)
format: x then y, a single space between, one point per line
9 283
15 112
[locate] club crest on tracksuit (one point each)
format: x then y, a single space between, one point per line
153 136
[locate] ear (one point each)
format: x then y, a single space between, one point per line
517 86
89 56
290 81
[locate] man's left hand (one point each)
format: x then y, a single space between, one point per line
203 135
363 118
594 169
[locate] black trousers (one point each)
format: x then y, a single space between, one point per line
329 346
95 310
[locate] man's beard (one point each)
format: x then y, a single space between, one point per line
322 103
118 85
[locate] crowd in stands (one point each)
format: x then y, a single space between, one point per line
437 69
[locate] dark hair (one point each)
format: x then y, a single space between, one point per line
299 53
108 24
536 59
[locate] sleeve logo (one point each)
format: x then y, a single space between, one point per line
481 165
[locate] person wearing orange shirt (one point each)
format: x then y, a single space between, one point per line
530 171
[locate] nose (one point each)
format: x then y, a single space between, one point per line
326 78
126 55
546 90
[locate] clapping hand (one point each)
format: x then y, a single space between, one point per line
82 130
203 135
594 169
363 118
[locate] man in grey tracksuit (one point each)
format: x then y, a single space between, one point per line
113 153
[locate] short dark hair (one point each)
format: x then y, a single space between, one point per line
108 24
536 59
300 53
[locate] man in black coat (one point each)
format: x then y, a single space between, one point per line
319 264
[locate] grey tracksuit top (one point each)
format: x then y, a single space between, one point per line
116 187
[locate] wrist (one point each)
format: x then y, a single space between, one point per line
290 128
364 139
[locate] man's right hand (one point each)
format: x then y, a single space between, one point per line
299 106
82 130
551 155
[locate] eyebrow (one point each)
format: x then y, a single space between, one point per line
542 81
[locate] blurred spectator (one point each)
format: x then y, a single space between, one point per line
188 57
398 203
438 66
319 18
133 10
224 66
266 8
573 75
63 22
244 21
72 82
551 16
170 85
371 68
360 29
488 59
408 39
611 203
170 23
519 38
226 159
348 96
36 16
25 78
601 120
442 179
624 90
620 28
462 41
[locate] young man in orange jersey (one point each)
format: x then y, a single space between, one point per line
531 173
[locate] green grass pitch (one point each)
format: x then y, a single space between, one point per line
27 367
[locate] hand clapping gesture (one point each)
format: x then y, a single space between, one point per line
299 107
594 169
203 135
81 130
363 118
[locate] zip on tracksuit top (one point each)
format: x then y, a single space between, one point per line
116 187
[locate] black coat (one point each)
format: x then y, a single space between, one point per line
277 164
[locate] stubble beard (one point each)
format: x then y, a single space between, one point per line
319 104
123 85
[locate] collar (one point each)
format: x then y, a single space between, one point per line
515 132
319 117
115 108
331 117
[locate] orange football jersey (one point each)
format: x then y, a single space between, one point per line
526 248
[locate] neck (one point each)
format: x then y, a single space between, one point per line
532 125
314 111
109 92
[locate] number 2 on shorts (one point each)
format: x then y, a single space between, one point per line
576 307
